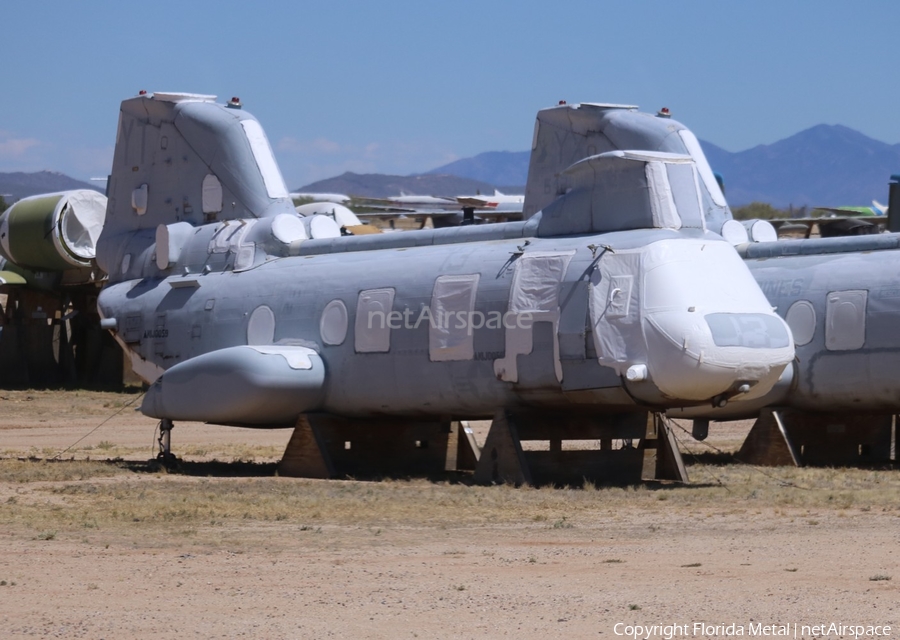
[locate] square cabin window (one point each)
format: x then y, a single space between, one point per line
845 320
373 331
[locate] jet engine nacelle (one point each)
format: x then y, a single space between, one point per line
53 232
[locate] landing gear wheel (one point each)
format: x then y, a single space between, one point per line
165 457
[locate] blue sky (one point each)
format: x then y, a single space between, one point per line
403 87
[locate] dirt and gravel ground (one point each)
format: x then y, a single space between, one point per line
93 548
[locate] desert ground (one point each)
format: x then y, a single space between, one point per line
97 543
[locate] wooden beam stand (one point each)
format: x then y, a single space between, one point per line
327 446
787 437
505 460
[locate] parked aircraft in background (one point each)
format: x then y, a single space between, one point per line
445 211
346 220
836 221
498 201
50 329
614 300
877 209
338 198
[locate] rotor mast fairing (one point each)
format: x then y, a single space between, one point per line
565 134
178 160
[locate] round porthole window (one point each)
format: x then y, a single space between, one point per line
801 318
334 322
261 327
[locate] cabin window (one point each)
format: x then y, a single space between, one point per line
334 322
373 321
453 321
801 318
261 327
533 297
686 194
845 320
662 203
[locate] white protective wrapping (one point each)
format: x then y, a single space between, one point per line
319 226
845 320
685 188
706 173
691 290
265 159
212 194
734 232
662 204
615 310
4 237
343 216
82 222
533 297
170 240
706 275
373 332
760 230
287 228
684 294
450 333
535 284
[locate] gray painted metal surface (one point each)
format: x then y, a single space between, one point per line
584 308
843 309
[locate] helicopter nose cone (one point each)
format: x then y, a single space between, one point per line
696 357
685 323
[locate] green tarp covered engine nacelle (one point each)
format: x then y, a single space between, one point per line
53 232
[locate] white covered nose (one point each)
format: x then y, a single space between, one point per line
708 326
684 322
695 356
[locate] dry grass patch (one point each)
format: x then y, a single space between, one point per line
132 498
28 403
188 504
27 471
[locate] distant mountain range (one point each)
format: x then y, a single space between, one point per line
15 186
376 185
494 167
826 165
